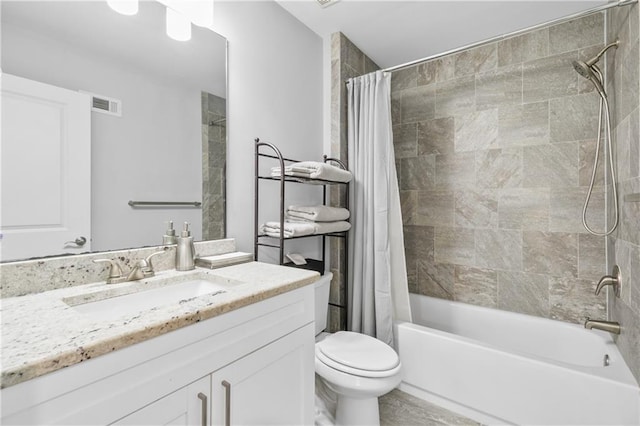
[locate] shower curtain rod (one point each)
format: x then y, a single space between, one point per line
587 12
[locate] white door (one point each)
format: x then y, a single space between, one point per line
45 186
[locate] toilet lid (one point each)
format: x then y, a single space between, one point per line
358 352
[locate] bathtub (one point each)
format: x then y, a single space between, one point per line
500 367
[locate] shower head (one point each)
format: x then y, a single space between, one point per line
583 69
589 69
588 72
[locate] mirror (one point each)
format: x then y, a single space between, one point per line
168 142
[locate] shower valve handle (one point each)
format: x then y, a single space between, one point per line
615 280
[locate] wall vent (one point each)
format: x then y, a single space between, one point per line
105 104
327 3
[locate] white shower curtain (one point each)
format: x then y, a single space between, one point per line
378 291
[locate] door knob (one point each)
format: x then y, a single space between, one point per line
79 242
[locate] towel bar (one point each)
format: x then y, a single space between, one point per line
164 203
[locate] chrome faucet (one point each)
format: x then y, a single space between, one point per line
610 326
615 280
115 271
143 268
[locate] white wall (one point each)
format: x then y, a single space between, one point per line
275 93
148 153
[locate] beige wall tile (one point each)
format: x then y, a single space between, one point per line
523 124
502 86
576 34
499 168
476 208
456 97
550 165
551 253
454 246
476 130
499 249
524 208
436 136
435 208
454 171
523 48
476 286
523 293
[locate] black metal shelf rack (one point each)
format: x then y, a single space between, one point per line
279 242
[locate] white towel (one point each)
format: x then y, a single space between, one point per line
315 170
331 227
318 213
275 172
291 229
292 170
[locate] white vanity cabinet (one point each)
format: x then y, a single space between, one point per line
268 386
263 353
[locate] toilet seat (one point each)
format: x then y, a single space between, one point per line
357 354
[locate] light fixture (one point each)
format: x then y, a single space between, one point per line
199 12
178 26
124 7
180 14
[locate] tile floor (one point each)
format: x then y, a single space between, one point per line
401 409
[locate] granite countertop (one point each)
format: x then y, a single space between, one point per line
42 333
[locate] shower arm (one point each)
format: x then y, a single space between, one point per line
592 62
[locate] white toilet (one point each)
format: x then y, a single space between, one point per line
357 367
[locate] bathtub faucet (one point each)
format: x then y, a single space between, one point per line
610 326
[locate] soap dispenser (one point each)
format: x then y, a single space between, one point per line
170 235
185 250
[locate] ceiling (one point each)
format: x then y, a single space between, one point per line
396 32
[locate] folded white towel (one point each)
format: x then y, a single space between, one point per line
291 229
318 213
275 172
330 227
315 170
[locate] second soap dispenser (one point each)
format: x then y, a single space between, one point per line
170 235
185 250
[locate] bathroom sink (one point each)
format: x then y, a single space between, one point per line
140 297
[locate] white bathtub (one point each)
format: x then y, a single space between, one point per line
500 367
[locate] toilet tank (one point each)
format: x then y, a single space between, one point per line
322 287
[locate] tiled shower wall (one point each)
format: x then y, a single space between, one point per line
214 159
624 245
494 148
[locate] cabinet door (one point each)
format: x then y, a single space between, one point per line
271 386
186 406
